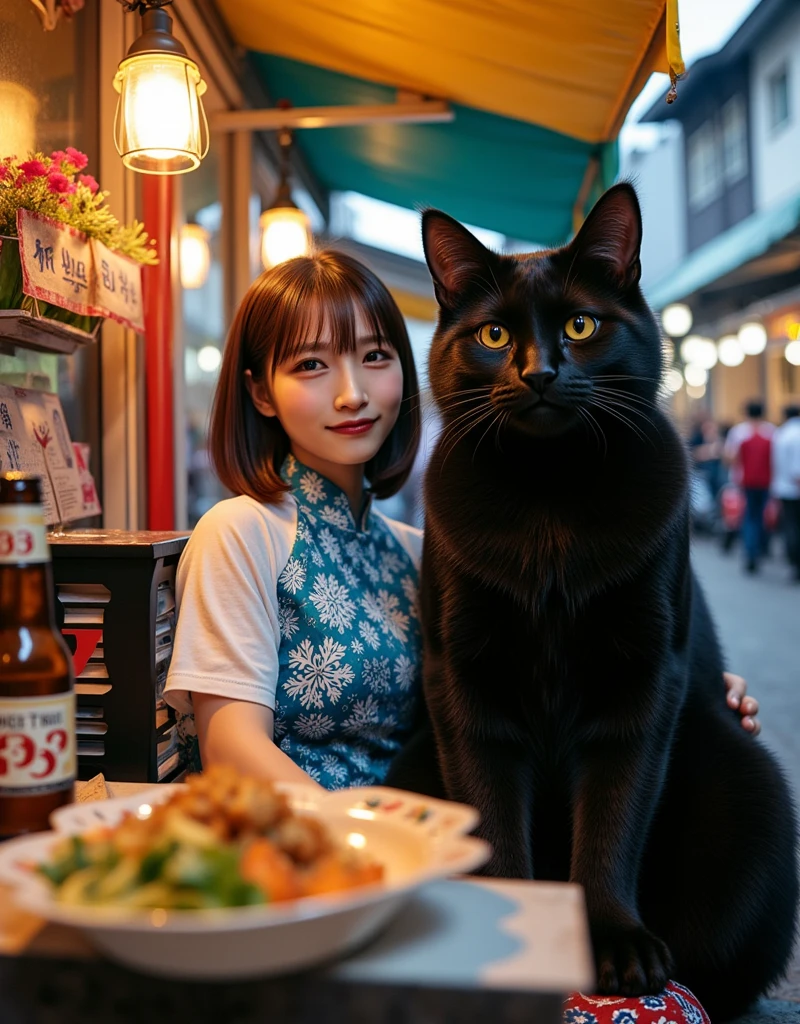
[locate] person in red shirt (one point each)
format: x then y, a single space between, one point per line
748 448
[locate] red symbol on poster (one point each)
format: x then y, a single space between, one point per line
86 641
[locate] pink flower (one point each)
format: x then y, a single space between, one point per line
33 169
59 183
58 156
4 169
76 158
89 182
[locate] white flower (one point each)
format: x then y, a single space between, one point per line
303 531
369 635
364 714
316 557
330 545
306 511
349 576
334 767
371 571
353 549
318 673
315 773
312 486
356 646
360 759
377 675
332 601
385 610
411 591
288 620
293 576
390 564
336 517
405 672
341 501
314 727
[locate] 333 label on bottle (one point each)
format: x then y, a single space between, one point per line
37 743
22 535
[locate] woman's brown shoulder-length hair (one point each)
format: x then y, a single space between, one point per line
275 319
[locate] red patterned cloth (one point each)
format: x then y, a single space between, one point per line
675 1005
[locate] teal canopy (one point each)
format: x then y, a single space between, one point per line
490 171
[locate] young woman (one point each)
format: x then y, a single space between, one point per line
297 652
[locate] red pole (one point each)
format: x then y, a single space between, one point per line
157 197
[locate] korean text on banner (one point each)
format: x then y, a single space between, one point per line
62 266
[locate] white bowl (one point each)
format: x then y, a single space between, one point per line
416 839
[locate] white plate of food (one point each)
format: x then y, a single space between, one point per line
226 877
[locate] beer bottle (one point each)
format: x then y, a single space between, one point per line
37 697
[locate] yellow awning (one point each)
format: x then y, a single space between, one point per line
572 66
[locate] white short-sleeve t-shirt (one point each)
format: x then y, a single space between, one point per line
266 594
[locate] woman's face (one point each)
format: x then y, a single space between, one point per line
338 409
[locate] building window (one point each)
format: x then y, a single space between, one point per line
705 173
734 140
778 91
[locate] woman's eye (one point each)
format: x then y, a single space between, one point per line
580 327
494 336
308 365
376 356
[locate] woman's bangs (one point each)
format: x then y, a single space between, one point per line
326 305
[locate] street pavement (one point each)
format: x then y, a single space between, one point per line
758 619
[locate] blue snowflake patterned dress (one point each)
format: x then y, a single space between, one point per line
350 651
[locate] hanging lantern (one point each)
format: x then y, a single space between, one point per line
160 126
195 256
285 229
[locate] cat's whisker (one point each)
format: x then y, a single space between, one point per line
463 430
493 423
624 394
618 404
623 419
587 417
623 376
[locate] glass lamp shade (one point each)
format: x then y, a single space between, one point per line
195 256
792 353
160 125
285 233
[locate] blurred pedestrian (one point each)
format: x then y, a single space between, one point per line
786 482
748 449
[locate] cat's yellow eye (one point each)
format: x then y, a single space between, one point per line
580 327
494 336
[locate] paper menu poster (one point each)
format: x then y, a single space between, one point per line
34 439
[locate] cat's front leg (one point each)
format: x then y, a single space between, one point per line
620 783
496 778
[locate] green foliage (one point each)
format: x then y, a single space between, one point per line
54 187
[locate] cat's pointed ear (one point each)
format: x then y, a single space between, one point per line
612 235
454 256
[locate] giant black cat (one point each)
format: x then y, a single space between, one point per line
572 671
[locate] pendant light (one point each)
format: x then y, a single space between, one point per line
285 229
160 126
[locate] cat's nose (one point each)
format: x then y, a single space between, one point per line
539 380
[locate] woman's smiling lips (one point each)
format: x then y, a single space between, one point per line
353 426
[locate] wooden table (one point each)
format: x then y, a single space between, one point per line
462 950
